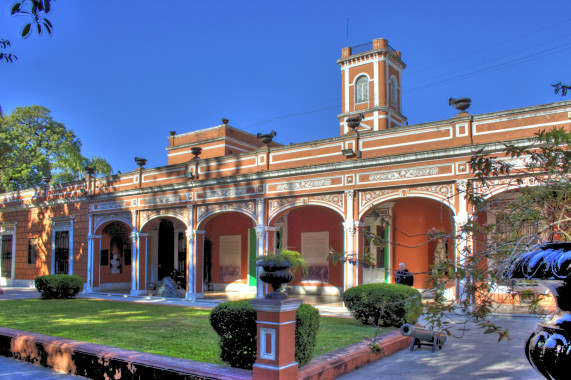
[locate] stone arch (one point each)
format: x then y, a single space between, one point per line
181 214
442 193
100 220
207 212
280 206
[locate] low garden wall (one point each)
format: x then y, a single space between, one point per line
98 361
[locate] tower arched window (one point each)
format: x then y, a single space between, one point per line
394 91
362 89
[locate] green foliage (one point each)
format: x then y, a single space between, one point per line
235 323
8 57
57 286
384 304
284 257
34 146
306 328
35 11
30 141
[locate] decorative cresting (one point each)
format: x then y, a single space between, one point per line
334 201
247 207
548 348
100 219
180 213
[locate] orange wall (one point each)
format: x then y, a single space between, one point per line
230 223
317 219
415 216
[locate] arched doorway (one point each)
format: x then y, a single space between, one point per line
413 230
115 257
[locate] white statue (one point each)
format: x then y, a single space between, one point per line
115 263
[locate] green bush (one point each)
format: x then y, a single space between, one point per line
386 304
59 285
235 323
306 327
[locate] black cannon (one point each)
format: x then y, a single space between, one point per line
423 337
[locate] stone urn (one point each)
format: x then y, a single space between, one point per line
276 274
548 349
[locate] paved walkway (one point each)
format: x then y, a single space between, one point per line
474 356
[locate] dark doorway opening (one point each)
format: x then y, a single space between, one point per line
166 248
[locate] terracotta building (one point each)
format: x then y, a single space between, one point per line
211 211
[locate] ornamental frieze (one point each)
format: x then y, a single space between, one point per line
98 220
226 193
440 190
153 201
305 184
403 174
248 207
180 213
333 199
370 196
112 205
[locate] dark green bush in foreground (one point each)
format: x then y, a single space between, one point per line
235 323
399 304
59 285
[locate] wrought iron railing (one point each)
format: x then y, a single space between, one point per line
362 48
366 47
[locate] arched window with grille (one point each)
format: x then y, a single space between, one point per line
362 89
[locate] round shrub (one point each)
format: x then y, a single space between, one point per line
235 323
384 304
58 286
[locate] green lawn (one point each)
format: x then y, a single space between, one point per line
164 330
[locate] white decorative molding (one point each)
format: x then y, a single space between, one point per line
161 200
8 227
246 207
180 213
370 196
120 216
112 205
333 199
403 174
300 185
441 191
226 193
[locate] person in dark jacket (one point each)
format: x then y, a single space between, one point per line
403 276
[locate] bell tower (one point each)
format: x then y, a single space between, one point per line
371 77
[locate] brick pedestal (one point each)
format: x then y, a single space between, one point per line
276 339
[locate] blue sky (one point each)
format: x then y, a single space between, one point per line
123 73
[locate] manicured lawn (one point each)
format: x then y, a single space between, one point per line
164 330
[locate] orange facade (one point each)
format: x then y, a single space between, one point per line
209 215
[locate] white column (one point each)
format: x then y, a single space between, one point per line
190 256
462 239
135 260
88 286
349 227
198 234
70 267
260 235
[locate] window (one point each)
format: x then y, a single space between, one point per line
32 251
6 256
61 252
394 92
362 89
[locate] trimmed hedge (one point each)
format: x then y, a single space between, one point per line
400 303
306 327
235 323
57 286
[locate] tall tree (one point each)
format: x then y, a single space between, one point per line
30 142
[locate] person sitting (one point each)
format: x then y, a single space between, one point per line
403 276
